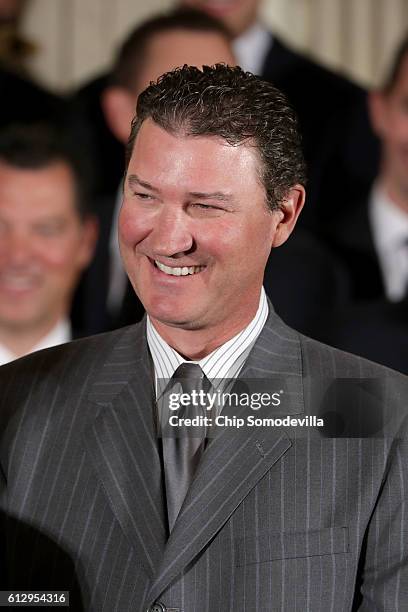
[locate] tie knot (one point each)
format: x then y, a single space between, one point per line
190 376
189 371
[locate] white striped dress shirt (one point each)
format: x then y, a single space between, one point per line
225 362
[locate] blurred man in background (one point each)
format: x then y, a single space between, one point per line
373 239
47 238
182 36
14 49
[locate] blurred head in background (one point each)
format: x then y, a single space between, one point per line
183 36
14 48
47 234
389 114
11 10
236 15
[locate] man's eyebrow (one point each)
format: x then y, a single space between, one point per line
135 181
215 195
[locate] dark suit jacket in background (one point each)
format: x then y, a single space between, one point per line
375 329
370 325
350 238
306 283
90 309
274 520
106 153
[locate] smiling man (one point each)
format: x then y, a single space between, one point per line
47 238
251 518
157 45
193 210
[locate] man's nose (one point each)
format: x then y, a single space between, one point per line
19 249
172 234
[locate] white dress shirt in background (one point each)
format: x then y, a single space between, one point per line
59 334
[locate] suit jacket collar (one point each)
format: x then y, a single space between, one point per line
124 449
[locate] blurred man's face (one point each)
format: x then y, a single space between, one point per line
391 123
164 52
169 50
194 230
44 245
237 15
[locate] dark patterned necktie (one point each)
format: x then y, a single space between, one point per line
181 455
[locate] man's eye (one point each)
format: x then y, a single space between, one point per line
206 211
205 206
143 196
48 230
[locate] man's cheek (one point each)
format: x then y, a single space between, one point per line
59 259
133 226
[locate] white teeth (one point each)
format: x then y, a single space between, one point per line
16 283
178 271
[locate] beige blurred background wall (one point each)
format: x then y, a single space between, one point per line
76 38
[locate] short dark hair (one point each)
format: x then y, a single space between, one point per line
235 105
132 53
36 146
396 64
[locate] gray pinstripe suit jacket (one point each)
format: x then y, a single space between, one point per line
273 520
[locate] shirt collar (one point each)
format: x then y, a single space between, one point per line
59 334
389 223
251 48
225 362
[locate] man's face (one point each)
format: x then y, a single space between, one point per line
237 15
194 229
391 123
43 245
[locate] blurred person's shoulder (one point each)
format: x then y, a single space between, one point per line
354 382
326 360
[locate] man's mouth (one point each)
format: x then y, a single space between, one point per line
182 271
12 282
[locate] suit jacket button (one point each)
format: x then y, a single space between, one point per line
157 607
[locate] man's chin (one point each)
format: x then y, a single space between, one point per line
176 320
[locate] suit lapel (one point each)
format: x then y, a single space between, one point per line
237 458
123 446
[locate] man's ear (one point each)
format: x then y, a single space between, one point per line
118 105
377 102
90 232
289 211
